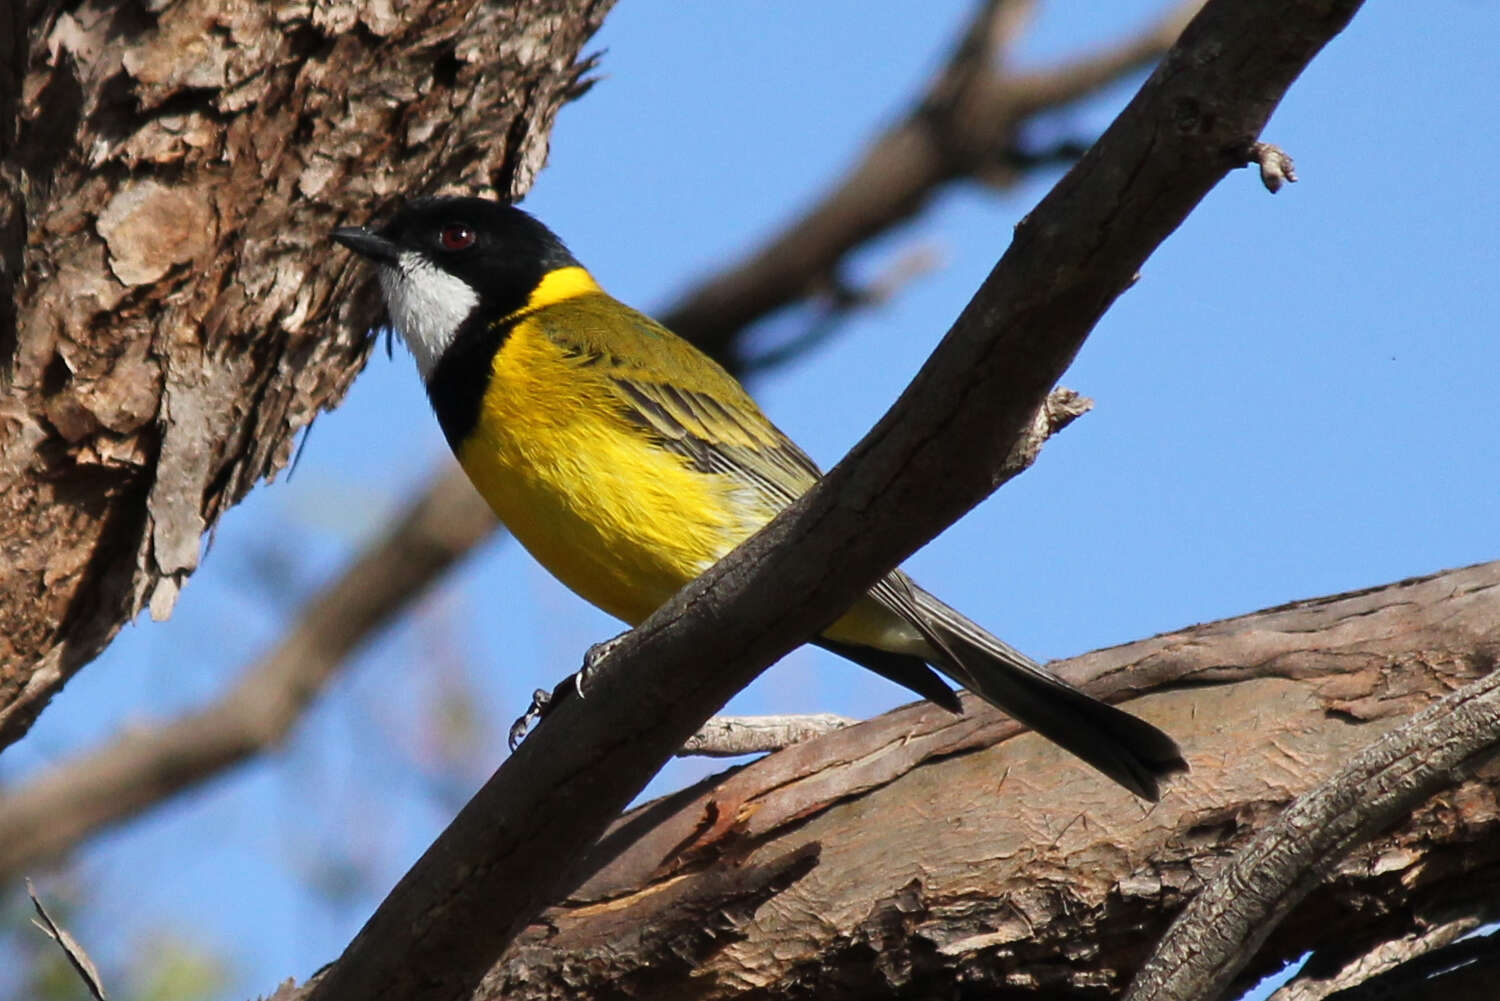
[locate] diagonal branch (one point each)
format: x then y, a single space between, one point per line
941 448
965 124
44 818
127 775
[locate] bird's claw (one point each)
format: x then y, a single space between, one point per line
592 659
543 701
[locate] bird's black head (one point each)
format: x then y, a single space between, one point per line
442 261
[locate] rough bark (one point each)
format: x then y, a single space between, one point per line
170 174
922 855
1220 932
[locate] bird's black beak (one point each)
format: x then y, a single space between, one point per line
372 245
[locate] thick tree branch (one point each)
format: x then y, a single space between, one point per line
1226 924
964 850
77 797
945 445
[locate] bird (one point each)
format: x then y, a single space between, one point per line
626 461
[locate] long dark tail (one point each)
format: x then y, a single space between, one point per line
1129 750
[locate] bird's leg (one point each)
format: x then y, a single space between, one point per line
543 701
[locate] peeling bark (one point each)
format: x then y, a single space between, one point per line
169 179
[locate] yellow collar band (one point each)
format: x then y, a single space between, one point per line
558 285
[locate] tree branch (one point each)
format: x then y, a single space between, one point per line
137 770
1069 82
1407 957
1224 926
966 124
944 446
43 818
728 736
1462 970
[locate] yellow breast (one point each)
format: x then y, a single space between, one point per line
618 519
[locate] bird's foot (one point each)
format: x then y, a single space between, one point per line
577 683
541 700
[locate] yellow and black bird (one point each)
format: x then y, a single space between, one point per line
627 462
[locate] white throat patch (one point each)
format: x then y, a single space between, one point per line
427 306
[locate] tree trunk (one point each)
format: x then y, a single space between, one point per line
168 178
919 851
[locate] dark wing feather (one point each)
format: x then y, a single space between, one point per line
721 436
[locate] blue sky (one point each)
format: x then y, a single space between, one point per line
1298 397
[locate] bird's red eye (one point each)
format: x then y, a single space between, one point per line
456 236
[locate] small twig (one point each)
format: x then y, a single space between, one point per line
1276 167
77 958
727 736
1224 926
1062 407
